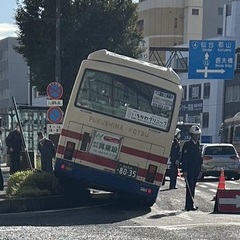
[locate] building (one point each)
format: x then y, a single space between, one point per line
170 23
175 22
14 81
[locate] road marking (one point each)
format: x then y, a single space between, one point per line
184 226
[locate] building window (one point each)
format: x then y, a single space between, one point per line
184 95
232 94
206 90
3 55
195 11
220 11
219 31
205 120
175 22
3 75
195 91
229 10
194 118
140 25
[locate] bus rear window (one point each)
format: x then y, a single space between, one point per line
127 99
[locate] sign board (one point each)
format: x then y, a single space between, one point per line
54 90
105 145
192 106
54 115
54 128
55 103
211 59
228 201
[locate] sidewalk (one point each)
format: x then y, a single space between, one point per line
5 172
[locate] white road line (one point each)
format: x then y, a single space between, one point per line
183 226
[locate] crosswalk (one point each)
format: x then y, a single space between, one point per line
208 186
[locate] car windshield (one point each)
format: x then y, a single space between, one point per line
220 150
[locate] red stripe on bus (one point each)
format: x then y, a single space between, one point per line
145 155
124 149
101 161
71 134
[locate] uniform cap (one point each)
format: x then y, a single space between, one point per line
195 129
177 131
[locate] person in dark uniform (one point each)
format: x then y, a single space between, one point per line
174 159
15 145
191 165
47 150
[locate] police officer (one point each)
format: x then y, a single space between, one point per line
174 159
191 165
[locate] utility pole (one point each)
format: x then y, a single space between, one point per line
58 51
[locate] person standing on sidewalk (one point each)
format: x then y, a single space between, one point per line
174 159
47 150
191 165
15 146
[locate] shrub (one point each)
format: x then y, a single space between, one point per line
32 184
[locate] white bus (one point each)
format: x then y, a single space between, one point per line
230 131
119 125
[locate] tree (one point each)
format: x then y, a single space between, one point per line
86 26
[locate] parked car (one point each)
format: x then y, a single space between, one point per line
217 156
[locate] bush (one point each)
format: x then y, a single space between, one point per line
33 184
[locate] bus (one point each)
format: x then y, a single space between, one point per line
119 125
230 131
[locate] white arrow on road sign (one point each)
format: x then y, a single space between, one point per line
228 201
206 71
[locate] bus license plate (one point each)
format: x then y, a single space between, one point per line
126 170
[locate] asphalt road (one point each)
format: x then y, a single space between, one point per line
111 219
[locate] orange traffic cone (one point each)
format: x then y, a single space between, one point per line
221 184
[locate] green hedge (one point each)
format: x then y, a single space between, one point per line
32 184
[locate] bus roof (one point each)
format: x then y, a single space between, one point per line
236 117
110 57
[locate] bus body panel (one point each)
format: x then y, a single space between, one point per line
230 131
100 148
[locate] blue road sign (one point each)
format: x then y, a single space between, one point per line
211 59
54 115
54 90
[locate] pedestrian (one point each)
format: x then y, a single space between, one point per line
47 150
174 159
191 165
15 146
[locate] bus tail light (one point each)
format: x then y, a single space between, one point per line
151 173
69 150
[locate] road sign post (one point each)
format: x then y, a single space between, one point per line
54 113
211 59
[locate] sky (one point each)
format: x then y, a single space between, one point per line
7 26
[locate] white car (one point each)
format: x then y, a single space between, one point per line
217 156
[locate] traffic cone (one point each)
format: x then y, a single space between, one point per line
221 183
221 186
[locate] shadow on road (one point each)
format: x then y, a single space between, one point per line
104 211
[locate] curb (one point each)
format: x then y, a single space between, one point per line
49 203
